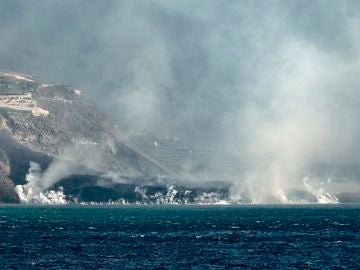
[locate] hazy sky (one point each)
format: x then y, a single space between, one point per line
186 67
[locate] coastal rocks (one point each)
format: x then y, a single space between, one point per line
7 187
69 129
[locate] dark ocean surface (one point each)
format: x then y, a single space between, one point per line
180 237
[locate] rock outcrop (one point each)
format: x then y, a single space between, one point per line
42 122
7 186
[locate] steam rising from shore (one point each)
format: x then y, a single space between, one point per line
274 82
36 190
301 122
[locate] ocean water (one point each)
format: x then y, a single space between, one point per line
180 237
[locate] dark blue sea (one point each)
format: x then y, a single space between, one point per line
180 237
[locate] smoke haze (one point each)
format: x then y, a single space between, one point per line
274 82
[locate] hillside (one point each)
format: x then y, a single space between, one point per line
43 122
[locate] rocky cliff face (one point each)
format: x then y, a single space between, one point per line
52 137
7 187
44 122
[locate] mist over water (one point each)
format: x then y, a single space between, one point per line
274 83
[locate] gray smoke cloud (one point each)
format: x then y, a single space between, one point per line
274 82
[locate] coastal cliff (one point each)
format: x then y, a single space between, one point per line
42 122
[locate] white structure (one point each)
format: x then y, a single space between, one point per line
77 92
40 112
22 103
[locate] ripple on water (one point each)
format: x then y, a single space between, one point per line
208 238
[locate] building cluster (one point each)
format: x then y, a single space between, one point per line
16 92
16 84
